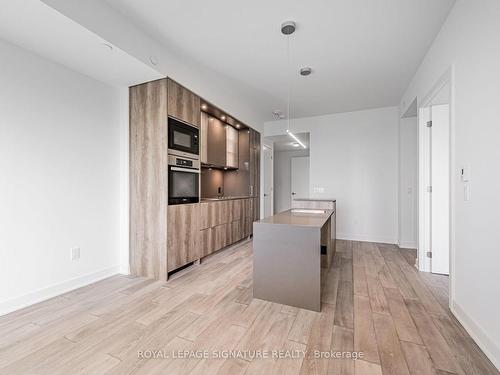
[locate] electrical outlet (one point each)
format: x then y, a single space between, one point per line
75 253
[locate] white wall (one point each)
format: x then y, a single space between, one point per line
408 183
283 178
470 41
60 182
354 159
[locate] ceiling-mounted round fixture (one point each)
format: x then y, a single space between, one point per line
278 115
204 107
153 60
223 118
288 27
305 71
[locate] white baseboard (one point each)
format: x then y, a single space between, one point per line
487 345
407 245
55 290
365 238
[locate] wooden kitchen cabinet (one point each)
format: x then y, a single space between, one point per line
209 215
148 179
207 241
216 143
237 231
225 222
254 146
219 143
235 210
183 104
247 217
232 136
183 228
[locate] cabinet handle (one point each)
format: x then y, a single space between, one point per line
177 169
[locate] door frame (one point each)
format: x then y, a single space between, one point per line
271 197
423 262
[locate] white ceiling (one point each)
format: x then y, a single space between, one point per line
363 52
286 143
37 27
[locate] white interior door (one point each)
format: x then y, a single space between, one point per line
300 177
440 182
268 181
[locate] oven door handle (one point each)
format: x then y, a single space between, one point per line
177 169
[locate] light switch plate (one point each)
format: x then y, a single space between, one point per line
465 173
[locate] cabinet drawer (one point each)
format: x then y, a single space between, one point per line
237 232
222 236
207 241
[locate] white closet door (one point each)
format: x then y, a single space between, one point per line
440 196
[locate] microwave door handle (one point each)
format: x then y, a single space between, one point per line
184 170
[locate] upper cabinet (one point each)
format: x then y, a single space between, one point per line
216 144
219 143
231 147
183 104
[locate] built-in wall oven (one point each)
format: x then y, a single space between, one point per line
183 180
183 139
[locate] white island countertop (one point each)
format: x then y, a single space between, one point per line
302 218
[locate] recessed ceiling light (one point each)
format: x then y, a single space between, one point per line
305 71
204 107
238 126
295 144
223 117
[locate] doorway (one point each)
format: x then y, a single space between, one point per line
435 191
299 177
285 148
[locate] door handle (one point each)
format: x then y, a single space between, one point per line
294 193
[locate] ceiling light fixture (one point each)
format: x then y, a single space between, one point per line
296 139
153 60
288 28
295 144
223 118
204 107
305 71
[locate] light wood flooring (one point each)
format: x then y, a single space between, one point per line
374 302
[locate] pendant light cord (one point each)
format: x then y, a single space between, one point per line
289 81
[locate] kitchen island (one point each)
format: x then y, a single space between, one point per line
288 248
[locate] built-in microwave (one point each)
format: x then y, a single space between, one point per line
183 139
183 180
